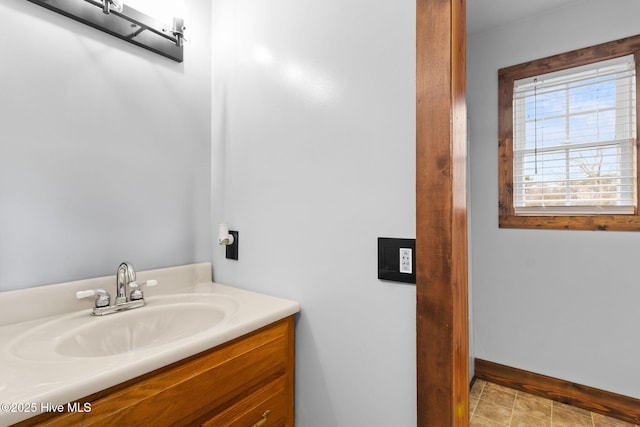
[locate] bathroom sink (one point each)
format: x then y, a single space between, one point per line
164 320
137 329
53 350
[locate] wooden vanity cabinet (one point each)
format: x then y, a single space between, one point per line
246 382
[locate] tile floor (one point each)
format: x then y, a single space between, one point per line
492 405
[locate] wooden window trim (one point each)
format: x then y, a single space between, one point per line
506 78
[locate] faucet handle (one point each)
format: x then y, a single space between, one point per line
103 299
136 288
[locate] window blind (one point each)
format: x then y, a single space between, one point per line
574 141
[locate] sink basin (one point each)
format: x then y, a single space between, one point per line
164 320
138 328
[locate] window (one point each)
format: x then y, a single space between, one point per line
573 143
567 148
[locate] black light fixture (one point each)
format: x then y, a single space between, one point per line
118 19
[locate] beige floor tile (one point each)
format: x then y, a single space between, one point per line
564 418
535 406
493 405
604 421
494 386
479 383
477 421
498 396
569 408
473 403
474 395
519 419
493 411
476 390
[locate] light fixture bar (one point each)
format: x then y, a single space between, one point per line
130 25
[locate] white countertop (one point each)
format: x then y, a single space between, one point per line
28 386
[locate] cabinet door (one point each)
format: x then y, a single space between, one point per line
266 407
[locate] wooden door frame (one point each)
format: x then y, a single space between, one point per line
442 324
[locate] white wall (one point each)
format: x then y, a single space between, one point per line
314 154
104 149
559 303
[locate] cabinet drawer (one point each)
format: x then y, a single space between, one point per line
267 407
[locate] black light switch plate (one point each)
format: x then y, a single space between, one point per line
397 259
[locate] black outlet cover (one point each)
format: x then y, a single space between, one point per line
389 259
231 251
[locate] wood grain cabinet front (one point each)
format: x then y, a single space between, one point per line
246 382
266 407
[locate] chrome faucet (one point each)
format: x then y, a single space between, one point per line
126 275
128 292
